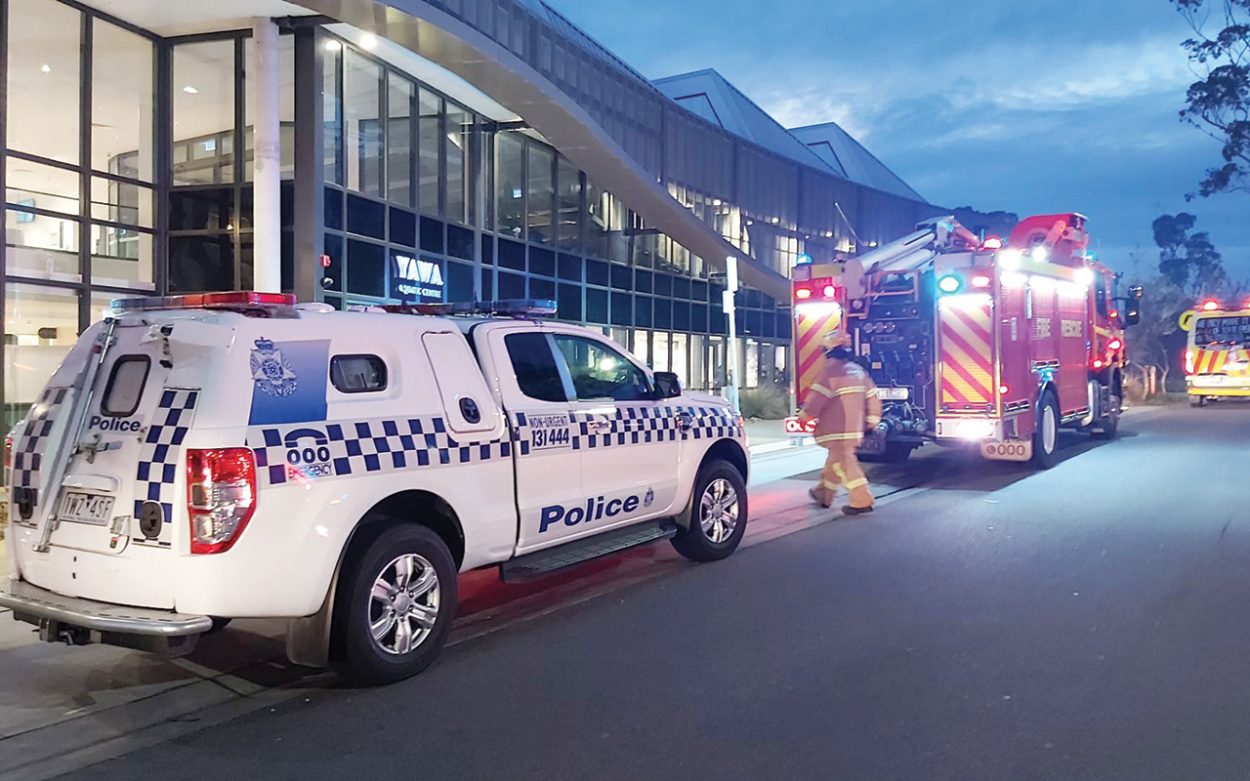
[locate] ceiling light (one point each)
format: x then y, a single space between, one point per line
333 45
45 68
190 90
369 41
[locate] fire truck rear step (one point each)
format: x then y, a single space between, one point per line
536 565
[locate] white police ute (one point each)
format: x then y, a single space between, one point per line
227 455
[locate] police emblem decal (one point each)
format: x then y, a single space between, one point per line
272 373
649 498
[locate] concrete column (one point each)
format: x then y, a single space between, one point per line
267 158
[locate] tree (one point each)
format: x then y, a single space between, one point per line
1188 260
1219 102
1155 340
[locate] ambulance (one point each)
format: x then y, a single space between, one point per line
1217 357
208 457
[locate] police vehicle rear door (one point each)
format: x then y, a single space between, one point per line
533 390
117 492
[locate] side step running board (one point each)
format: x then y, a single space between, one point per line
535 565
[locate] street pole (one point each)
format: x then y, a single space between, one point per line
731 352
266 159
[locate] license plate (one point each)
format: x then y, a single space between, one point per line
1019 451
86 508
893 394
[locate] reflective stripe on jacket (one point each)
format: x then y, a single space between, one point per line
843 402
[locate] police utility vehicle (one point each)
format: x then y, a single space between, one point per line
208 457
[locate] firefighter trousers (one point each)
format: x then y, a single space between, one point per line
842 470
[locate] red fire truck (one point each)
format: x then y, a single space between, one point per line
998 343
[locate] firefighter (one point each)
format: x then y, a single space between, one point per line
843 402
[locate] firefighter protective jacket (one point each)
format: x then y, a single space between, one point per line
843 403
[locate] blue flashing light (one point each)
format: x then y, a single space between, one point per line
950 284
804 259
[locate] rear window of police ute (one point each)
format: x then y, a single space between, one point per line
358 373
125 386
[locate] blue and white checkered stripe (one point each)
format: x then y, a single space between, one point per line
28 451
712 423
301 452
365 447
159 454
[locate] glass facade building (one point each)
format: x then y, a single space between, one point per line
412 169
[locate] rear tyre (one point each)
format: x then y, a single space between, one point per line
1109 425
395 606
1198 401
1046 433
713 526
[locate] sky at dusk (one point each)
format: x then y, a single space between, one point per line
1033 108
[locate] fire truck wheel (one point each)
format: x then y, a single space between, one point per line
1110 424
717 517
395 606
1046 435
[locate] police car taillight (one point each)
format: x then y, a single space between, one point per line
221 496
245 300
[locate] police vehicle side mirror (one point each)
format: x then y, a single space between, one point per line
667 386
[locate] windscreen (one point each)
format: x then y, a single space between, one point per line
1227 331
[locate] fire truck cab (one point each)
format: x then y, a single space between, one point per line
992 343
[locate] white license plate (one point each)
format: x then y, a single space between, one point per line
1019 451
893 394
86 508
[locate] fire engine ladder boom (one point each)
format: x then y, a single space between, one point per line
915 249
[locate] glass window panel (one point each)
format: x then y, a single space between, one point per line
430 135
459 177
569 302
39 186
331 107
537 373
642 346
44 40
363 126
698 363
40 327
201 263
400 94
366 268
541 192
41 246
660 351
678 358
122 202
568 205
286 104
203 80
600 372
121 102
121 257
510 184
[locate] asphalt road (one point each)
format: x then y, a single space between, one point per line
1089 622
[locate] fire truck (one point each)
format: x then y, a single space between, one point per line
994 342
1217 357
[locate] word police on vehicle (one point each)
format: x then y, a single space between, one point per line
207 457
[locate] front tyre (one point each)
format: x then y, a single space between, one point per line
395 606
1046 433
717 517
